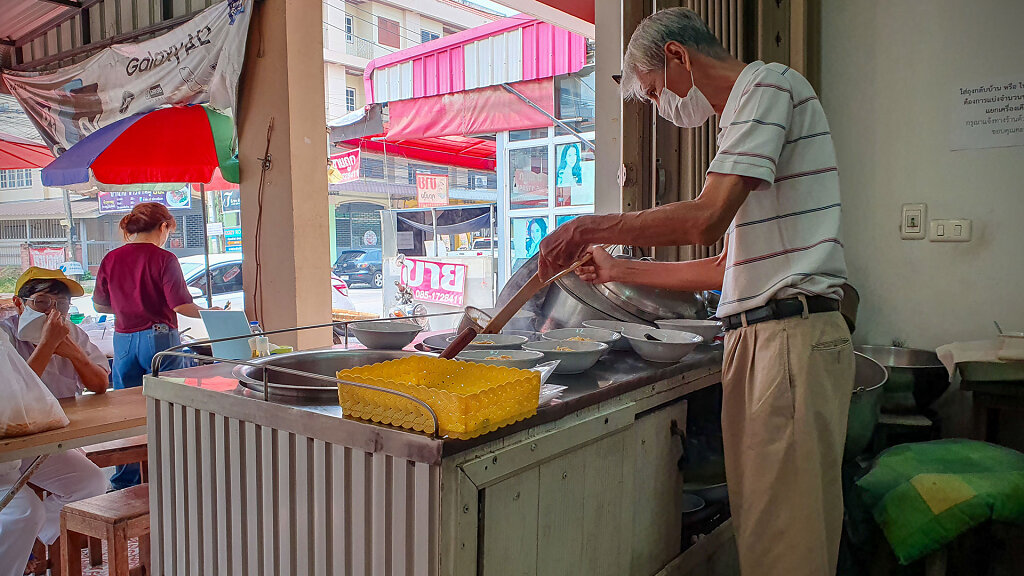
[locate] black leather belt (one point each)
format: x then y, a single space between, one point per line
782 308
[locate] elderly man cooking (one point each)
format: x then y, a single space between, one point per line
773 191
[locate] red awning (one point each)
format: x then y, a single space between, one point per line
466 152
19 153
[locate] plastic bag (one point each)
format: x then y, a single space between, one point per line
28 405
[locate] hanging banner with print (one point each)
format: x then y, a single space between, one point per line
437 282
197 62
346 167
431 190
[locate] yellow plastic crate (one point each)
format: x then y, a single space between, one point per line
469 399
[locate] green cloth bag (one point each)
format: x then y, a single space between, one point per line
925 495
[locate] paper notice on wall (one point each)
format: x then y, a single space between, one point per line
988 114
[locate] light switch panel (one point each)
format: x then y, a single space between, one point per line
913 221
954 230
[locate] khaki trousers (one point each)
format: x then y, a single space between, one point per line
786 394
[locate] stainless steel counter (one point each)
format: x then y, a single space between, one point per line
619 372
239 485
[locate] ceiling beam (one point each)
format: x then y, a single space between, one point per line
68 3
54 22
545 11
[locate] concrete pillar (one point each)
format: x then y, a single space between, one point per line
283 81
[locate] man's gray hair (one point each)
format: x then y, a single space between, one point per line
646 50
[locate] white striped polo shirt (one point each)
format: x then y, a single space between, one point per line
784 240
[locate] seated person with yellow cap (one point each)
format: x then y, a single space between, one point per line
57 350
66 361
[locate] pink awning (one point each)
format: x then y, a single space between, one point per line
481 111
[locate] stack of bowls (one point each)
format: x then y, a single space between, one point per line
706 329
656 345
609 337
574 356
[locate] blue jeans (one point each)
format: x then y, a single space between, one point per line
133 358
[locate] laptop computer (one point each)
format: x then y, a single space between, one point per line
228 324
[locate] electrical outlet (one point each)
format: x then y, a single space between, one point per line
913 221
955 230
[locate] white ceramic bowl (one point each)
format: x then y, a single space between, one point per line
671 345
608 337
494 342
385 334
580 357
614 326
523 359
706 329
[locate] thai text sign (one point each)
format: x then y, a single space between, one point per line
347 165
437 282
431 190
44 257
125 201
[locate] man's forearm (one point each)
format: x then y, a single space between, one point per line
676 224
693 276
700 221
93 377
40 357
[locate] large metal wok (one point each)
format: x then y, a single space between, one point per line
569 301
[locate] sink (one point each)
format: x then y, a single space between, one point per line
293 387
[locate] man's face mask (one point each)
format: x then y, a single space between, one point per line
689 112
30 325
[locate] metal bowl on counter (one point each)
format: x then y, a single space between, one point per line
385 334
916 377
293 387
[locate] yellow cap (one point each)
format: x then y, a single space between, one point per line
37 273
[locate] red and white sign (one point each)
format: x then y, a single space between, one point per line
431 190
437 282
347 164
50 258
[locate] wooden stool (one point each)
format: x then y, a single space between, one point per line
116 517
116 453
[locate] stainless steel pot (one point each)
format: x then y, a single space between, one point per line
865 404
916 377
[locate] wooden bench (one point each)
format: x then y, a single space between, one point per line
116 453
115 517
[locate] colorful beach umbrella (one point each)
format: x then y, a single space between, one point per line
173 146
18 153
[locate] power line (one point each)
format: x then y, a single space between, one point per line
364 11
413 40
352 34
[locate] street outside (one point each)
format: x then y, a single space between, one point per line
363 299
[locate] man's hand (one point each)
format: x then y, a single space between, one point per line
55 330
68 349
565 245
600 269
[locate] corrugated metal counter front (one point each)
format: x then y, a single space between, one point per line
244 486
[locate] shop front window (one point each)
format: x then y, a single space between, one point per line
528 178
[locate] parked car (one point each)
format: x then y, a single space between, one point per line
226 278
480 247
362 265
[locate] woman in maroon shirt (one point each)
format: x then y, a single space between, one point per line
143 286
